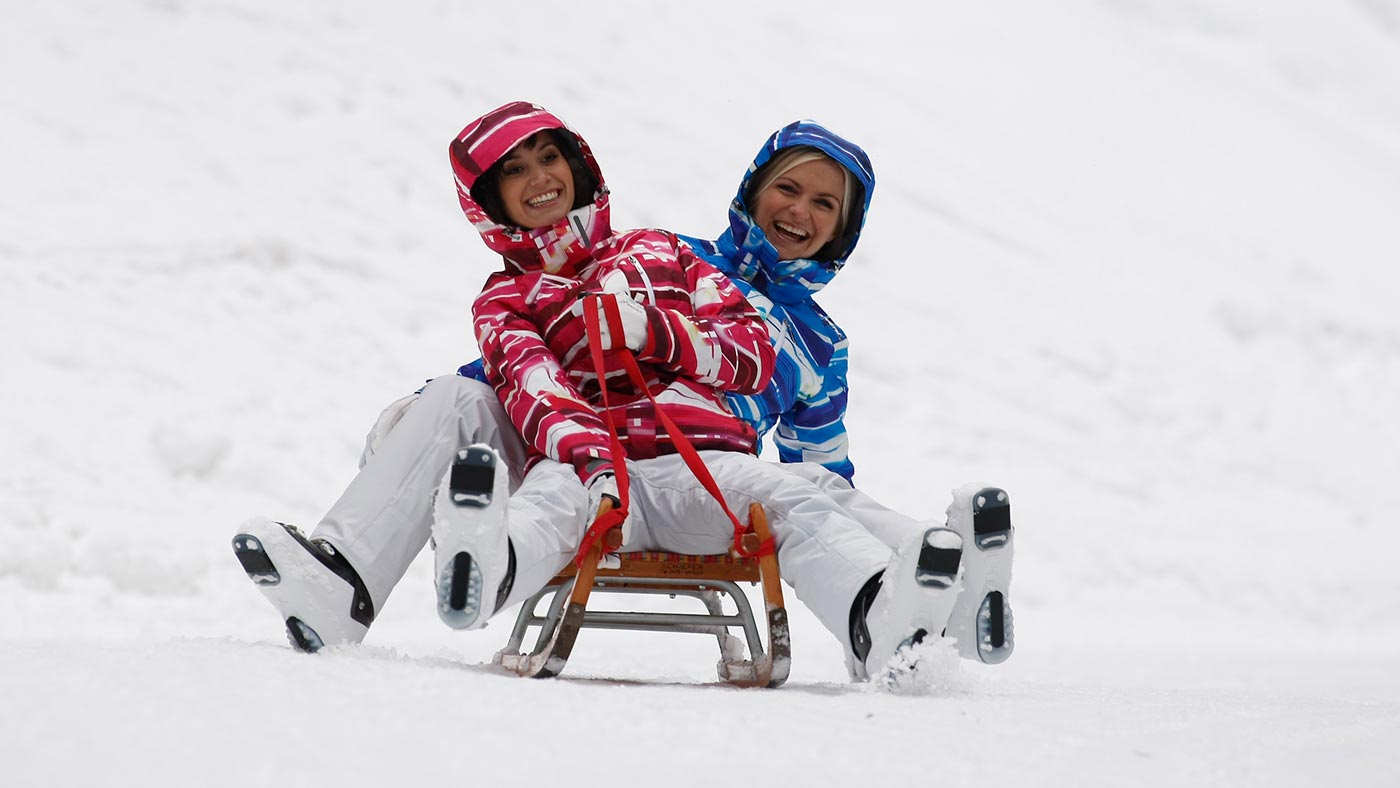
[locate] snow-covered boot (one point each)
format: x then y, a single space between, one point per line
981 621
315 590
472 553
915 597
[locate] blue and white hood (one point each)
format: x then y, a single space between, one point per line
745 248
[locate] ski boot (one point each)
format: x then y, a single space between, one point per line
981 621
319 596
472 555
912 601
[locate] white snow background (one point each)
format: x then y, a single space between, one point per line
1137 262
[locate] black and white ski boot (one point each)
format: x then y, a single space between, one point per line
471 548
315 590
981 621
916 595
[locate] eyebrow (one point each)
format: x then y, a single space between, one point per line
516 152
837 197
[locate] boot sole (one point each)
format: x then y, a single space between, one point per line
991 523
459 592
995 630
991 519
257 563
471 484
939 558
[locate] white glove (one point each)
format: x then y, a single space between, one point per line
606 485
384 424
634 322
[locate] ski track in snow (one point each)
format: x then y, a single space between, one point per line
1134 262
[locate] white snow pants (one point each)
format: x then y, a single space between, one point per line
885 524
824 553
831 537
384 517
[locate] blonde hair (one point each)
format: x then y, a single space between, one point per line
786 160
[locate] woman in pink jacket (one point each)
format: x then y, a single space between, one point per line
691 330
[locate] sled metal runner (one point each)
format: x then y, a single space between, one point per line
705 578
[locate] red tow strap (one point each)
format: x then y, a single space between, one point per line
616 516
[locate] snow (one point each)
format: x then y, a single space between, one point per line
1133 261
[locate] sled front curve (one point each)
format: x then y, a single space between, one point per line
707 578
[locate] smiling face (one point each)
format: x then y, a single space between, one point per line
536 186
800 210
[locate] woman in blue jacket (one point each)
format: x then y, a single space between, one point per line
795 220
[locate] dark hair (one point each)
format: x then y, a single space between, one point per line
487 192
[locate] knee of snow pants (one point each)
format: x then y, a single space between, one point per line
479 406
384 517
890 527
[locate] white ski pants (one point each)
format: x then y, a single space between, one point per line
831 537
885 524
384 517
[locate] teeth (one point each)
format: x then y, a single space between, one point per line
535 202
790 230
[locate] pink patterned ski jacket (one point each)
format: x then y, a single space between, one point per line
704 338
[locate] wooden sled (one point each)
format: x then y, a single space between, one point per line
706 578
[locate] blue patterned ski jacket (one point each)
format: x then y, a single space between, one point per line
805 404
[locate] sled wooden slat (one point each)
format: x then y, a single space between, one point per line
678 565
704 577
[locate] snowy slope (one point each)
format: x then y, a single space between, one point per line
1134 261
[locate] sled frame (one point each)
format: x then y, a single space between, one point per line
705 578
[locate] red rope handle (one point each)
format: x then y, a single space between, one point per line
617 515
683 445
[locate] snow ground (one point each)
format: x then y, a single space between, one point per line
1134 261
